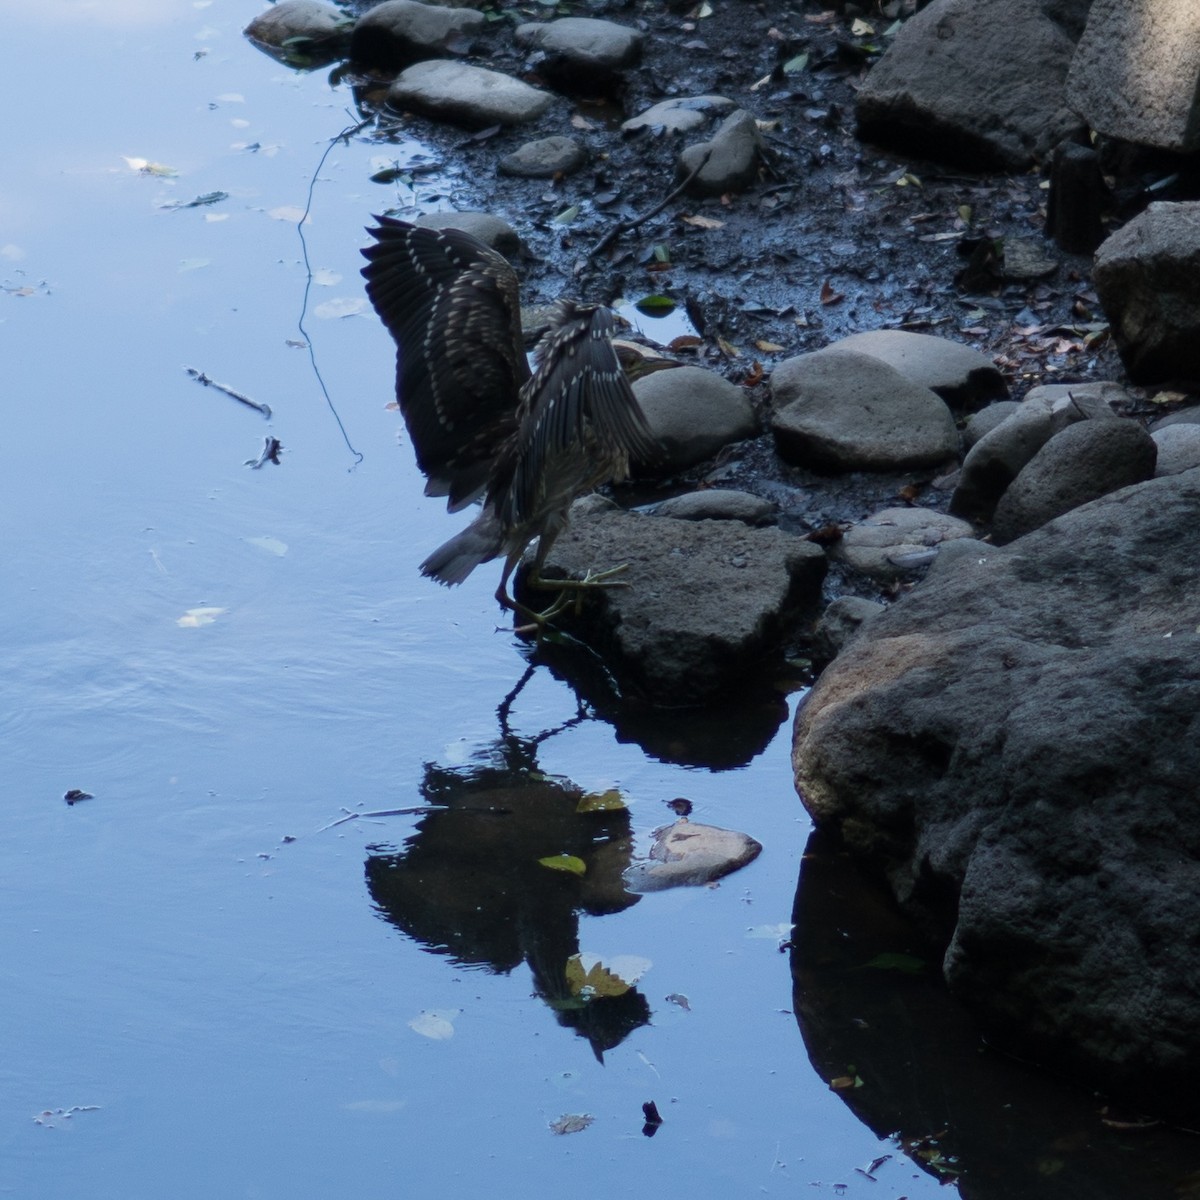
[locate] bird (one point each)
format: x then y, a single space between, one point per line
483 425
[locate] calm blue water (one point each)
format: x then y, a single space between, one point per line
231 1001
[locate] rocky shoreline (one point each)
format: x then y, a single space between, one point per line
1008 729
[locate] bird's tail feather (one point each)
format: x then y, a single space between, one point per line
480 542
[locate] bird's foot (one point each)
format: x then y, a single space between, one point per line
599 579
572 591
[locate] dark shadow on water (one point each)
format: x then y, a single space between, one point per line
470 883
879 1025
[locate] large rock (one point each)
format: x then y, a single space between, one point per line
1015 746
1147 276
720 504
707 601
1178 448
897 542
979 82
544 158
852 412
1085 461
728 162
491 230
1136 72
397 33
963 377
466 95
998 457
581 52
693 413
301 33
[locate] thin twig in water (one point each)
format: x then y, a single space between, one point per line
415 810
200 377
633 222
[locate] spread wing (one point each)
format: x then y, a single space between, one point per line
577 404
452 306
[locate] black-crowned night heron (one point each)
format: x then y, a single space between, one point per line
484 426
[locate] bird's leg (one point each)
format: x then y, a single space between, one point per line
537 621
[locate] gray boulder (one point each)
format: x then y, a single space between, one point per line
728 162
717 504
978 82
1085 461
465 95
544 158
840 621
301 33
581 51
1015 745
963 377
998 457
706 603
851 412
693 413
987 419
1136 72
1178 448
1185 416
1147 276
491 230
897 542
682 114
397 33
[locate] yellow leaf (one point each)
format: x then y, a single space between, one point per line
609 801
728 348
592 982
768 347
701 222
861 28
564 862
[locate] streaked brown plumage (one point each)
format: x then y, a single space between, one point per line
481 424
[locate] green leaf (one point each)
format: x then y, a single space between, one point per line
794 66
567 215
657 306
564 862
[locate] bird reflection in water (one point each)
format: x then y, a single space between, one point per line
469 883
